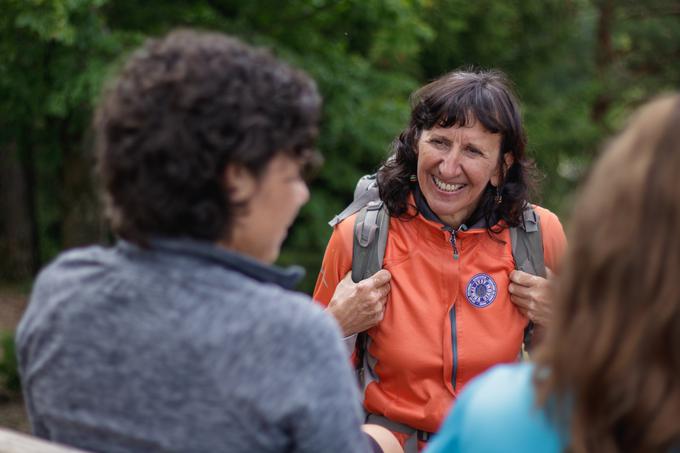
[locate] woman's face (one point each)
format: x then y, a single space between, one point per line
454 166
273 201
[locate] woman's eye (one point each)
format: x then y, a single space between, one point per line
475 151
439 143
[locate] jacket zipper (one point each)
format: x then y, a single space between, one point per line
454 346
454 335
452 239
453 244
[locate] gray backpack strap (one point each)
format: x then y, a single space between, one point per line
527 244
527 251
368 247
365 192
371 228
370 238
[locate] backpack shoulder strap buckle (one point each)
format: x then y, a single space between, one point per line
366 228
529 219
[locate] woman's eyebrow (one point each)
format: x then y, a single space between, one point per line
466 143
474 147
439 137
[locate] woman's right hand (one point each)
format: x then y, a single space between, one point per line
360 306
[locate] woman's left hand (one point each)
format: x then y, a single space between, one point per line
532 295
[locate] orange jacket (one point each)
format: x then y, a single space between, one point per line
446 320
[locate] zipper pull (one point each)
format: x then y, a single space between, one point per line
453 244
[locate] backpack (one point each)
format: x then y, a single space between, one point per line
370 239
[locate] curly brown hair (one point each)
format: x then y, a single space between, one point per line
458 99
612 355
183 108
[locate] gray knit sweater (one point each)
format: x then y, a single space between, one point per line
183 348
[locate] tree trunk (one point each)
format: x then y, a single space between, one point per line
28 171
17 250
604 57
81 219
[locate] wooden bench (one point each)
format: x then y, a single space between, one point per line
14 442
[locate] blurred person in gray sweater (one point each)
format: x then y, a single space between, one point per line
183 337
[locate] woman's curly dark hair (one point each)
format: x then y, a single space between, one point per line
458 99
183 108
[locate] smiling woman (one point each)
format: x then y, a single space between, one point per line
457 180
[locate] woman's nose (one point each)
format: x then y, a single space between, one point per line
450 164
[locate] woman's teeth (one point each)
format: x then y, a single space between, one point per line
446 187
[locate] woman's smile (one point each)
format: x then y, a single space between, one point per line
449 188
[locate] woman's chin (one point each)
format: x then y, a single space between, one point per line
451 211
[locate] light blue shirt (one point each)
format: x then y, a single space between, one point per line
497 413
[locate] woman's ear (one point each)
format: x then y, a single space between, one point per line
508 159
239 182
503 167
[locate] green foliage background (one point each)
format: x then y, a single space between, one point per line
9 375
580 66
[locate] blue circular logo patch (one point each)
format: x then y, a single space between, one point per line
481 290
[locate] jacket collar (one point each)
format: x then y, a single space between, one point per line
287 277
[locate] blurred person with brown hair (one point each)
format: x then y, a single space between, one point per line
607 378
183 336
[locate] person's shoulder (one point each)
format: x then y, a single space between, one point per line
294 312
64 279
345 228
517 375
310 317
71 262
80 255
292 334
498 409
504 388
554 238
548 218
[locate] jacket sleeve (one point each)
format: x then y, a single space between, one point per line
337 261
